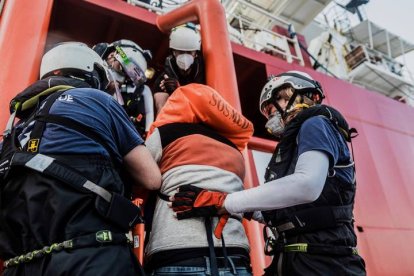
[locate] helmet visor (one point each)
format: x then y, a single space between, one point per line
130 67
113 87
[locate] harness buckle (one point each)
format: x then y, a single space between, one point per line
320 249
296 247
287 226
67 244
104 236
273 241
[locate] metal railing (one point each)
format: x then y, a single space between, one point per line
151 7
259 38
247 33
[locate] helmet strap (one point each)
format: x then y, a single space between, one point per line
96 82
301 105
278 107
290 103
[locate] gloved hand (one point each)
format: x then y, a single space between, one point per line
191 201
169 85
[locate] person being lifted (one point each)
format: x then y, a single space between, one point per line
64 207
308 198
183 66
128 62
196 139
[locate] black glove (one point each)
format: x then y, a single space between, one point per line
170 85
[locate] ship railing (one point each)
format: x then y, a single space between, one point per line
255 36
248 33
379 57
252 36
361 53
391 79
158 6
151 7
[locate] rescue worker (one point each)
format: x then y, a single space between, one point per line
195 142
183 66
307 201
64 209
128 63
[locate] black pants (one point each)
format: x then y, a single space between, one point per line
95 261
298 264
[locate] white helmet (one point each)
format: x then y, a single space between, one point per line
74 59
133 60
301 82
185 38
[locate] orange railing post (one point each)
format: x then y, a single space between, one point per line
138 235
220 75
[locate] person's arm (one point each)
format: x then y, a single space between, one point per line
142 167
303 186
154 146
136 158
160 99
149 107
166 86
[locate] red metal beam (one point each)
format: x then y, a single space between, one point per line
261 144
23 30
216 45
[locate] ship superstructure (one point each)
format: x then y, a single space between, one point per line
335 37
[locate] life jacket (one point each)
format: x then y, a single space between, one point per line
333 208
47 199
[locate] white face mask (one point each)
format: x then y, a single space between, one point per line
275 125
184 61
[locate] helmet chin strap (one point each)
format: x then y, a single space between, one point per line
279 109
284 113
301 105
97 82
290 106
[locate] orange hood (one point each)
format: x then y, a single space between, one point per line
198 103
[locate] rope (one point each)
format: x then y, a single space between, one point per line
36 254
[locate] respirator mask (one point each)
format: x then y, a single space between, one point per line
275 125
184 61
